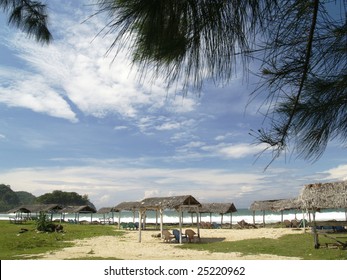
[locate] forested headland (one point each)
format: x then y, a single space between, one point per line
10 199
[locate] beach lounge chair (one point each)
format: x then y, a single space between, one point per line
176 233
295 223
131 226
215 225
244 224
167 235
287 223
191 234
124 225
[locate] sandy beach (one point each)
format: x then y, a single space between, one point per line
128 247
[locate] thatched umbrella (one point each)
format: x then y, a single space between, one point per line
178 203
331 195
19 211
219 208
106 211
37 208
77 210
275 205
127 206
317 196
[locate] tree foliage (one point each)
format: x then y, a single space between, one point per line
26 197
186 40
64 198
305 78
302 44
30 16
8 198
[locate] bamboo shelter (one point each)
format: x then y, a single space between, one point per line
107 212
178 203
132 206
35 209
77 210
218 208
318 196
275 205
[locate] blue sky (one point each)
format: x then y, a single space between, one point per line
71 120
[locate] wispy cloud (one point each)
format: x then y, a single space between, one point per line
74 70
108 182
234 151
337 173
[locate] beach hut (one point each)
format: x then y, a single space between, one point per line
108 215
218 208
21 214
132 206
318 196
275 205
179 203
35 209
77 210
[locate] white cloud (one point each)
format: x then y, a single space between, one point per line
74 69
337 173
120 127
223 137
105 183
169 126
235 151
30 91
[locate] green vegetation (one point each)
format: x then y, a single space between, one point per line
10 199
17 246
64 198
26 197
29 244
292 245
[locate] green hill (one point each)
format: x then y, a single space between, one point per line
10 199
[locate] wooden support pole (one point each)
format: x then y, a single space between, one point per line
180 223
161 222
315 234
140 223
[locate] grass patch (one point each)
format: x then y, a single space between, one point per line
292 245
15 245
29 244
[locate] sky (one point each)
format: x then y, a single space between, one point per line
73 120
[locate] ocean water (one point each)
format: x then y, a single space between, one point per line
172 217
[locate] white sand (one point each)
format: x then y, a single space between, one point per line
128 247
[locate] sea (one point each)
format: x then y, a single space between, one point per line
172 217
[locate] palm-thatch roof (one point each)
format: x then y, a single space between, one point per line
287 204
276 205
106 210
127 206
324 195
36 208
19 209
170 202
220 208
78 209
